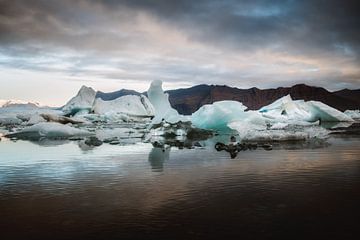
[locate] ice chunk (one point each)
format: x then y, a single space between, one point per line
323 112
10 121
129 104
218 115
275 135
48 130
160 101
286 110
83 101
354 114
15 114
34 119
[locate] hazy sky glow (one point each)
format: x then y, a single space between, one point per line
48 49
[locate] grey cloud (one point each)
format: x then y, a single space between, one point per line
102 30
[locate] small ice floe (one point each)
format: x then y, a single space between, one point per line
354 114
48 130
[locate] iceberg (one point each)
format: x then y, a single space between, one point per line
10 121
282 120
130 104
163 109
325 113
48 130
83 101
218 115
15 114
354 114
286 110
34 119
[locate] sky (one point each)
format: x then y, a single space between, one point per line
49 48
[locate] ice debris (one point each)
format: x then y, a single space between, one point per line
48 130
354 114
286 109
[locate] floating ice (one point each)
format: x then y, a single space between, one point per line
10 121
83 101
323 112
34 119
282 120
15 114
160 101
355 114
129 104
218 115
48 130
285 109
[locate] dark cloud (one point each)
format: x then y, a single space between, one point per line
321 34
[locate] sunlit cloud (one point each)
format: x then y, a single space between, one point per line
111 45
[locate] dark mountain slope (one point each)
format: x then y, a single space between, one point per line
188 100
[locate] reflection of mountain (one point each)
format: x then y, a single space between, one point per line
188 100
157 157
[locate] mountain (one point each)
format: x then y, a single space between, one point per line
12 103
353 95
116 94
188 100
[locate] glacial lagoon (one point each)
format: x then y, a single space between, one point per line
59 189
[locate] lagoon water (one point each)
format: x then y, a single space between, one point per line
50 190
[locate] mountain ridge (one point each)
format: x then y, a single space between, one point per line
188 100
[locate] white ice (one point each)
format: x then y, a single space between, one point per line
286 110
160 101
50 130
24 113
273 122
355 114
129 104
83 101
218 115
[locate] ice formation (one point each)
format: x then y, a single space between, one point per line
48 130
23 113
160 101
286 109
284 119
83 101
275 122
129 104
355 114
218 115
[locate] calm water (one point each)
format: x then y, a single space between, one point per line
51 191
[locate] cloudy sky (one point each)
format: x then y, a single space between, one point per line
48 49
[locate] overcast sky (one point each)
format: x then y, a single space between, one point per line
48 49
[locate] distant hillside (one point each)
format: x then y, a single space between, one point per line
353 95
116 94
188 100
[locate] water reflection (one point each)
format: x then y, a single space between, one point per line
157 157
117 190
